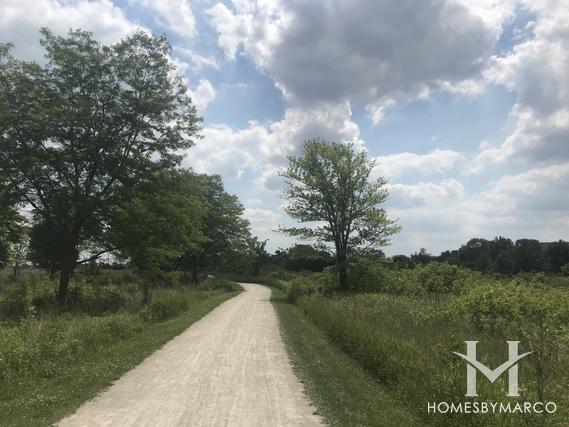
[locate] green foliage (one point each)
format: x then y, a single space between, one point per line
331 183
218 283
164 307
558 254
226 242
78 133
529 255
400 341
302 286
407 328
565 270
301 257
45 251
159 222
502 255
341 389
108 292
49 365
11 226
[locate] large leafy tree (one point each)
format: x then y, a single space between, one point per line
226 232
80 131
330 185
161 220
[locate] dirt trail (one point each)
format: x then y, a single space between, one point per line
228 369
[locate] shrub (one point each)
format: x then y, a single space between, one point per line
303 286
401 338
164 307
215 283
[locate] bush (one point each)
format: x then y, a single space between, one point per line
215 283
565 270
47 347
165 306
404 337
303 286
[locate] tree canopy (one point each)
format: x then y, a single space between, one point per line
78 132
330 185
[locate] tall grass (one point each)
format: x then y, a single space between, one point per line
51 361
405 338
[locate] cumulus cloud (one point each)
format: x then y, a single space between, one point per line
370 51
436 162
441 215
198 61
21 20
262 220
173 15
202 95
265 147
536 70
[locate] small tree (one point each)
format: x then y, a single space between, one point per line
260 256
331 185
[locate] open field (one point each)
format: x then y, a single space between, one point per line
403 337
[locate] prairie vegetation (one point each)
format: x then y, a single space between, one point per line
51 361
401 325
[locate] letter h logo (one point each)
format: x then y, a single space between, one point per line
511 365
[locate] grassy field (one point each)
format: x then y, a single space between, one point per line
403 333
342 391
49 365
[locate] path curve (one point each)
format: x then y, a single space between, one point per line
228 369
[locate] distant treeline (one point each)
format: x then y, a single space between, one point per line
500 255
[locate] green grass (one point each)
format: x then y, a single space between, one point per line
40 397
343 392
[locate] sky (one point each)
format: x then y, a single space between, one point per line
464 104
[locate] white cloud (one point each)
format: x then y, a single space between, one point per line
537 70
21 20
262 220
443 215
425 193
174 15
199 61
436 162
265 148
202 95
256 25
227 152
370 51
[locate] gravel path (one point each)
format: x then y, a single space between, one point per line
228 369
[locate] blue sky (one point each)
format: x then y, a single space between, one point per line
464 104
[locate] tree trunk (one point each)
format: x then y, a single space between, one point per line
70 254
145 292
15 271
52 271
64 278
341 263
195 273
